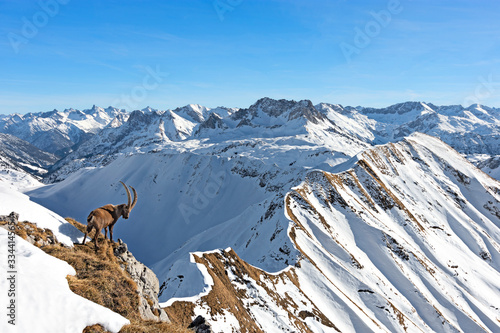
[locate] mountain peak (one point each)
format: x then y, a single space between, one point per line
214 121
399 108
193 112
287 109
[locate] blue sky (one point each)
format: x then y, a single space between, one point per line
165 54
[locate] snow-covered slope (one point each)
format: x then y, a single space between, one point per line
491 166
404 237
11 200
407 238
224 181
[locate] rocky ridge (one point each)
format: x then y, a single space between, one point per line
147 284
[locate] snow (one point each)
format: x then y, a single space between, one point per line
43 300
18 180
192 275
11 200
471 130
439 277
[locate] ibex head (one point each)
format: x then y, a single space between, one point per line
127 208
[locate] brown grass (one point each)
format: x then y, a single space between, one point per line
181 313
144 327
225 296
100 279
23 229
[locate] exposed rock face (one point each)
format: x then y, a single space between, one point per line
11 218
147 284
214 121
199 325
277 108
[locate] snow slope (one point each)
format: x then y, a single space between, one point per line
221 189
407 238
11 200
491 166
404 237
20 155
44 302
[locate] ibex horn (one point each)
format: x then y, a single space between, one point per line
128 195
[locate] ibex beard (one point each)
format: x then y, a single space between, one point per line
106 217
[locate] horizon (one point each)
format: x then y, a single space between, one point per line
237 107
61 54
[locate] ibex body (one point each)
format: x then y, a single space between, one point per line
106 217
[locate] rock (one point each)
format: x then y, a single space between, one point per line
11 218
148 286
32 231
199 325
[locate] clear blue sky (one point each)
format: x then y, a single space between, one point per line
168 53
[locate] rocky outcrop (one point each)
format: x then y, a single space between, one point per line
199 325
11 218
28 231
148 286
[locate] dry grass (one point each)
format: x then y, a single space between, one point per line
144 327
99 278
23 229
228 297
223 296
181 313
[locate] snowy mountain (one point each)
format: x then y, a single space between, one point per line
491 166
267 122
58 131
406 238
246 165
471 130
371 228
19 155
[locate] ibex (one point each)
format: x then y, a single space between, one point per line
106 216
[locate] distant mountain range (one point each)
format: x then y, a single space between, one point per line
473 131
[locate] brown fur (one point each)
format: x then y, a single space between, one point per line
106 217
